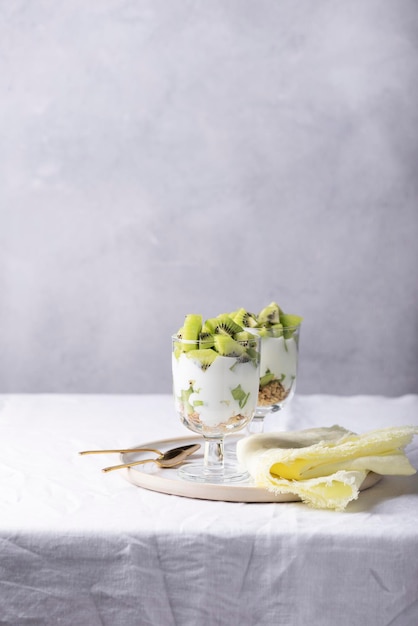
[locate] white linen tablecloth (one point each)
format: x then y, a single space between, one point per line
79 547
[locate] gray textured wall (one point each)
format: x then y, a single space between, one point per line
165 157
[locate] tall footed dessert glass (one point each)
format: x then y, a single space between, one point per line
215 384
278 371
279 334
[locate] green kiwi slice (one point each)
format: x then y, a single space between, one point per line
240 396
263 331
190 331
227 346
247 339
243 335
210 326
222 324
227 325
244 318
204 357
289 322
185 396
269 315
287 319
276 330
205 340
267 378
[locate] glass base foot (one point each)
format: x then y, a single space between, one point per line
197 472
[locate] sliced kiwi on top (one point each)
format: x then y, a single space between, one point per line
227 346
245 318
269 315
210 325
243 335
227 325
204 357
247 339
263 331
289 323
205 340
222 324
288 319
277 330
190 331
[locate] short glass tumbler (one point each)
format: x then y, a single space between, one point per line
278 371
213 397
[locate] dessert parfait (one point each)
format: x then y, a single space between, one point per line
279 333
216 372
214 365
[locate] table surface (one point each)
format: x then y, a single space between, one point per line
82 547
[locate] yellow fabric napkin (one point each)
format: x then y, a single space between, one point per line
325 467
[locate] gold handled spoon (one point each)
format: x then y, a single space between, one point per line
121 451
172 457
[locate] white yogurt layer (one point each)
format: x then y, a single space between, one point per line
280 356
212 397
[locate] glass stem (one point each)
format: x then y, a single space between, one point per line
256 425
214 454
